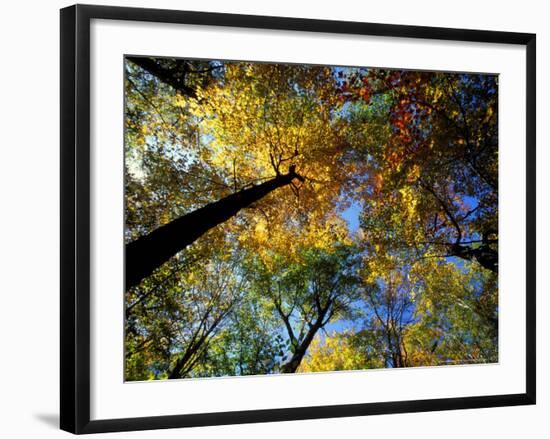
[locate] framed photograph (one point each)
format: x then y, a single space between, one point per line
268 218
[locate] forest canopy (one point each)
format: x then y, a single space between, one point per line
288 218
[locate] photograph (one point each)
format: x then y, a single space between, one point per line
271 220
297 218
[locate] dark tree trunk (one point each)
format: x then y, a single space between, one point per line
173 76
301 349
149 252
294 362
177 370
484 255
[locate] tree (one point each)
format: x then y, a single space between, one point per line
438 157
456 317
306 295
390 314
274 135
432 313
147 253
183 75
251 343
193 308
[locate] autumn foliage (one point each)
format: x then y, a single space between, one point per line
313 218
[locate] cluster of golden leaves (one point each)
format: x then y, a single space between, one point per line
254 126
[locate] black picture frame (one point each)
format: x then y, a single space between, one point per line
75 217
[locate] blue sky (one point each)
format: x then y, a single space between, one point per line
351 215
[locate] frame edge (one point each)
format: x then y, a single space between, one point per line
75 219
531 218
68 388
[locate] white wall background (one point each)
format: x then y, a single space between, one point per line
29 249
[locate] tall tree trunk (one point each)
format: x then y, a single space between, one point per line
175 77
292 365
298 355
149 252
484 255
